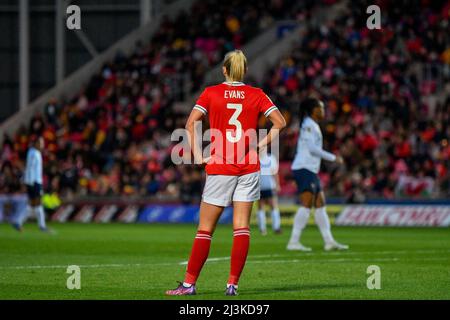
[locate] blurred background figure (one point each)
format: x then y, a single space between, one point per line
270 186
33 180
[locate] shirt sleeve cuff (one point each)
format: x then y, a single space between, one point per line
200 108
270 110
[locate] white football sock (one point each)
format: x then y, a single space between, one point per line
40 215
262 220
276 221
300 220
323 222
22 217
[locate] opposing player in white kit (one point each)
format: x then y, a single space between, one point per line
305 167
33 181
269 185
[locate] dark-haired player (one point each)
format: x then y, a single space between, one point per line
305 168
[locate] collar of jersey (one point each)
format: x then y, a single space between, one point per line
234 83
308 119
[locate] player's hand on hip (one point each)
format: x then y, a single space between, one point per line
205 160
261 150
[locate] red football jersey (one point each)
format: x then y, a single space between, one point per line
233 110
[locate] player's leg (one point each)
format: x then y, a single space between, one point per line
209 215
261 216
39 209
216 196
241 243
22 216
275 212
300 221
323 222
247 191
32 209
211 209
303 179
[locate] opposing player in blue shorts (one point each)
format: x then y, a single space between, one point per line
305 168
269 186
33 180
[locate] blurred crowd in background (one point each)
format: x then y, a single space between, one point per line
387 94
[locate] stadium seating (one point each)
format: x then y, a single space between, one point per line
388 109
388 99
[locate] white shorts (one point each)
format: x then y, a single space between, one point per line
221 190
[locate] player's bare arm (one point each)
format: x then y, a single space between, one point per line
192 127
278 124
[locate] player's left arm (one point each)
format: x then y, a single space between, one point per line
40 167
319 152
267 107
312 137
278 124
30 169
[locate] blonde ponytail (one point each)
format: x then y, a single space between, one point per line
235 63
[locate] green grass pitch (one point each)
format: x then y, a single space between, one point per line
142 261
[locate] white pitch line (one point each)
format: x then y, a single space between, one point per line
309 254
322 260
113 265
346 260
219 259
380 252
336 260
223 259
228 258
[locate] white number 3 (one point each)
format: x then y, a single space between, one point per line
234 121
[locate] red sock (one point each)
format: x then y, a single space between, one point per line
199 254
241 242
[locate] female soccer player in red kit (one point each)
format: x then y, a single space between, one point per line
233 109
